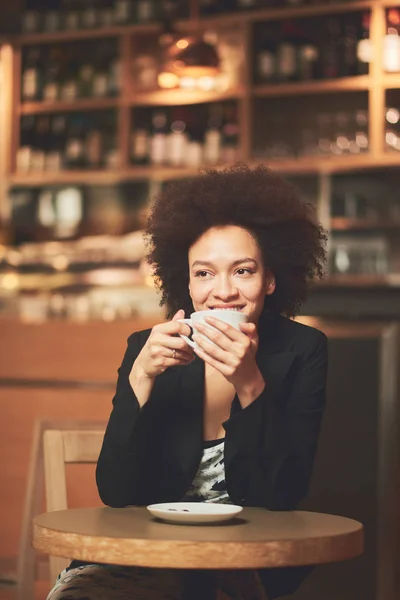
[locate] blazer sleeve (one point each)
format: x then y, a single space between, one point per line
121 473
276 438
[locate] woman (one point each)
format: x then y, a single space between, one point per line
251 400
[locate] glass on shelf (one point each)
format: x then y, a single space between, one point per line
392 129
366 255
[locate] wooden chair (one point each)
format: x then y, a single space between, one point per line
56 444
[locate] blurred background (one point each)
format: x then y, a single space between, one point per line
102 103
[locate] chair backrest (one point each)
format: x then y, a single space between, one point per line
61 447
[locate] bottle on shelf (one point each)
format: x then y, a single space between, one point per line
24 152
213 135
114 82
31 18
51 76
41 143
266 54
31 84
55 153
230 134
101 75
286 53
51 16
330 48
177 138
123 11
111 153
86 76
364 46
69 82
145 11
94 144
391 44
307 52
348 47
140 143
74 145
158 139
71 15
105 13
89 14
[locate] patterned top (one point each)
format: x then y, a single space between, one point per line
209 482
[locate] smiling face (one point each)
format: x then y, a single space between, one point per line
226 270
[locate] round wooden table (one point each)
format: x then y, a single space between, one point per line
257 538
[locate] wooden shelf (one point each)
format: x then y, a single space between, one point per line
220 20
391 80
80 104
274 14
180 97
300 166
350 84
350 224
331 164
40 178
84 34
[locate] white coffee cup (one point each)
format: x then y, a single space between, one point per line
233 317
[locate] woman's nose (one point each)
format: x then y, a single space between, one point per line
224 288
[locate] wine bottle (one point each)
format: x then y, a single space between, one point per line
55 153
94 144
307 54
266 58
145 11
364 46
89 14
51 76
74 146
213 135
286 54
177 138
391 44
31 85
123 12
158 140
230 134
329 52
348 54
140 142
24 152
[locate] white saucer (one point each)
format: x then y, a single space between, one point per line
194 512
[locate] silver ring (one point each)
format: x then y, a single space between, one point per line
173 353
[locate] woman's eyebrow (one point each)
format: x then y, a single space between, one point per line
239 261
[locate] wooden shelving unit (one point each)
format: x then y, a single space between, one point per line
374 86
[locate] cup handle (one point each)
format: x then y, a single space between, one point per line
185 337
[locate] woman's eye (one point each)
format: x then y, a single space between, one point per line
201 274
244 271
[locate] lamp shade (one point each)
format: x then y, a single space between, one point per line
190 57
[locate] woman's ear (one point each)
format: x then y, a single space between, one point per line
270 288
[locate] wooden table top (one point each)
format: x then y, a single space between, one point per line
257 538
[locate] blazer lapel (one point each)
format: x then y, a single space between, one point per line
186 431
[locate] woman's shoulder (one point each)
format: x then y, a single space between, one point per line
290 335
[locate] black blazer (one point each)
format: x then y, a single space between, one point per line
151 454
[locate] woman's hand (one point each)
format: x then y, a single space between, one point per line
164 348
233 354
